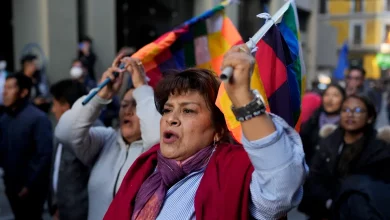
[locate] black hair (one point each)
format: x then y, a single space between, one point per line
68 91
371 110
338 87
27 58
22 81
87 39
351 153
358 68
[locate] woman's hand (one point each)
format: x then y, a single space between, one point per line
136 70
238 87
116 82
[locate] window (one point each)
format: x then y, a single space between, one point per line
357 5
387 2
386 37
357 34
323 6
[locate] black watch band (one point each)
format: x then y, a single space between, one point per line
255 108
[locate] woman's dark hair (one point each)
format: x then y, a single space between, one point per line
343 94
194 79
371 110
351 154
338 87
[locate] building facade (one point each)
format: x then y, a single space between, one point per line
364 25
51 28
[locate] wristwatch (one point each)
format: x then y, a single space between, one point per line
254 108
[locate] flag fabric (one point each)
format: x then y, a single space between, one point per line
342 65
203 41
273 58
200 42
279 73
296 71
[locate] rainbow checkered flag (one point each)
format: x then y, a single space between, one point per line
200 42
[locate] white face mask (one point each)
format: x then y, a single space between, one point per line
76 72
3 65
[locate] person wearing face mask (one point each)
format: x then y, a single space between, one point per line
3 76
354 148
328 113
111 152
79 73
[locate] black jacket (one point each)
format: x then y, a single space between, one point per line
310 135
362 197
324 182
26 149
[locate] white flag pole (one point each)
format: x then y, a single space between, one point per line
227 72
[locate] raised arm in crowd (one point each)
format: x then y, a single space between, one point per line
111 152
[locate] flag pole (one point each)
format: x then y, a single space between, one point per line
227 72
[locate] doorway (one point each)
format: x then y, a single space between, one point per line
141 22
6 39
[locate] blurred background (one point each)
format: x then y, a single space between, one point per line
53 29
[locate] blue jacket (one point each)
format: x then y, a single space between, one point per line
25 148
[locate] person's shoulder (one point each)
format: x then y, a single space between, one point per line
35 112
383 135
231 153
330 137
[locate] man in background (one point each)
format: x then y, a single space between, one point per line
39 89
25 149
87 56
69 195
355 84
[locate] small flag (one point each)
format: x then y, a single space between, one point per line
289 28
342 65
280 68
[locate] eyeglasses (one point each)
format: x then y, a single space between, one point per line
355 111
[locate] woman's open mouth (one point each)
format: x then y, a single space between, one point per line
170 137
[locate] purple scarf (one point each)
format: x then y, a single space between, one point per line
328 119
151 195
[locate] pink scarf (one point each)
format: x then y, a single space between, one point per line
151 195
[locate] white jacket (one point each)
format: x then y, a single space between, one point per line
104 148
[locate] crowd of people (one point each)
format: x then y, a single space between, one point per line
137 152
